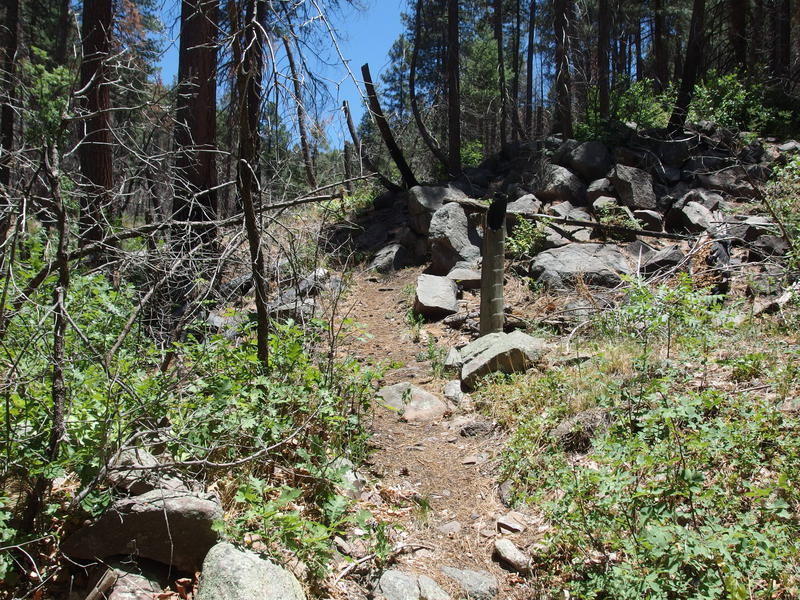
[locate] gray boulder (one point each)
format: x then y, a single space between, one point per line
423 201
511 557
396 585
136 471
665 258
692 217
591 160
233 574
436 297
477 585
598 264
599 187
452 239
171 527
634 187
561 185
391 258
733 182
504 352
651 220
526 206
413 404
468 279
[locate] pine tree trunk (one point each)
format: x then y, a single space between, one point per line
529 69
515 71
563 79
501 69
195 134
453 93
659 46
9 49
694 52
308 160
602 58
737 30
96 145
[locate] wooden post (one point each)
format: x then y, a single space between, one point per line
492 317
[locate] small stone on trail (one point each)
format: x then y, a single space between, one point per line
513 522
396 585
508 555
476 428
478 585
412 403
436 297
451 528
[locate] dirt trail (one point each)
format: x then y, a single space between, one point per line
429 476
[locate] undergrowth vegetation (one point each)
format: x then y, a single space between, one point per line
689 489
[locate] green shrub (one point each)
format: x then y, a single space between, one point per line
731 102
471 153
527 238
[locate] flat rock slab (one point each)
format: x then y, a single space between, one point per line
598 264
477 585
398 585
469 279
505 352
412 403
233 574
172 527
436 298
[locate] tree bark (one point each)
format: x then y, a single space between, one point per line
250 71
659 46
386 133
603 29
10 43
693 58
301 118
563 80
366 163
453 92
430 142
737 30
517 127
529 69
195 134
501 70
95 148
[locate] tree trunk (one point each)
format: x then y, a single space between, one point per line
492 313
501 70
784 37
529 69
95 148
603 29
195 196
563 82
639 54
250 71
515 73
347 161
430 142
366 163
386 133
453 93
694 52
737 30
9 56
301 117
659 46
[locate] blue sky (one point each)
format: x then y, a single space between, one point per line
365 36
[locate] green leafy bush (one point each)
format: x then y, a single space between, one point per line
527 238
731 102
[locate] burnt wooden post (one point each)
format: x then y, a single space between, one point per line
494 238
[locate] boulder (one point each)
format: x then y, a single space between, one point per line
651 220
233 574
126 581
526 206
436 297
599 187
598 264
561 185
634 187
468 279
567 210
477 585
171 527
423 201
590 160
672 153
430 590
452 389
452 239
412 403
731 181
396 585
391 258
705 165
505 352
768 245
136 471
665 258
693 217
298 309
790 146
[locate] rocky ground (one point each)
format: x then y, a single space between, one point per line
692 203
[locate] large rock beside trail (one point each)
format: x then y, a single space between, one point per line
559 184
397 585
634 187
436 297
452 239
590 160
136 471
233 574
412 403
598 264
693 217
732 181
504 352
425 200
171 527
391 258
